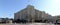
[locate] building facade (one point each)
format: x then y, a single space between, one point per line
30 14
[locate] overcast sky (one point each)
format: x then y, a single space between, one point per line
9 7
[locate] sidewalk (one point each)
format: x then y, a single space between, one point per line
29 24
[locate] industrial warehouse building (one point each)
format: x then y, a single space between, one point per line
30 14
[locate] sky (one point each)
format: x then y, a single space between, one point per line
9 7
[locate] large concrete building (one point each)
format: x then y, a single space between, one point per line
30 14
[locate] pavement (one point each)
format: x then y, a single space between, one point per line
29 24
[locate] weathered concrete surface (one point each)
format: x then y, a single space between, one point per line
30 24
